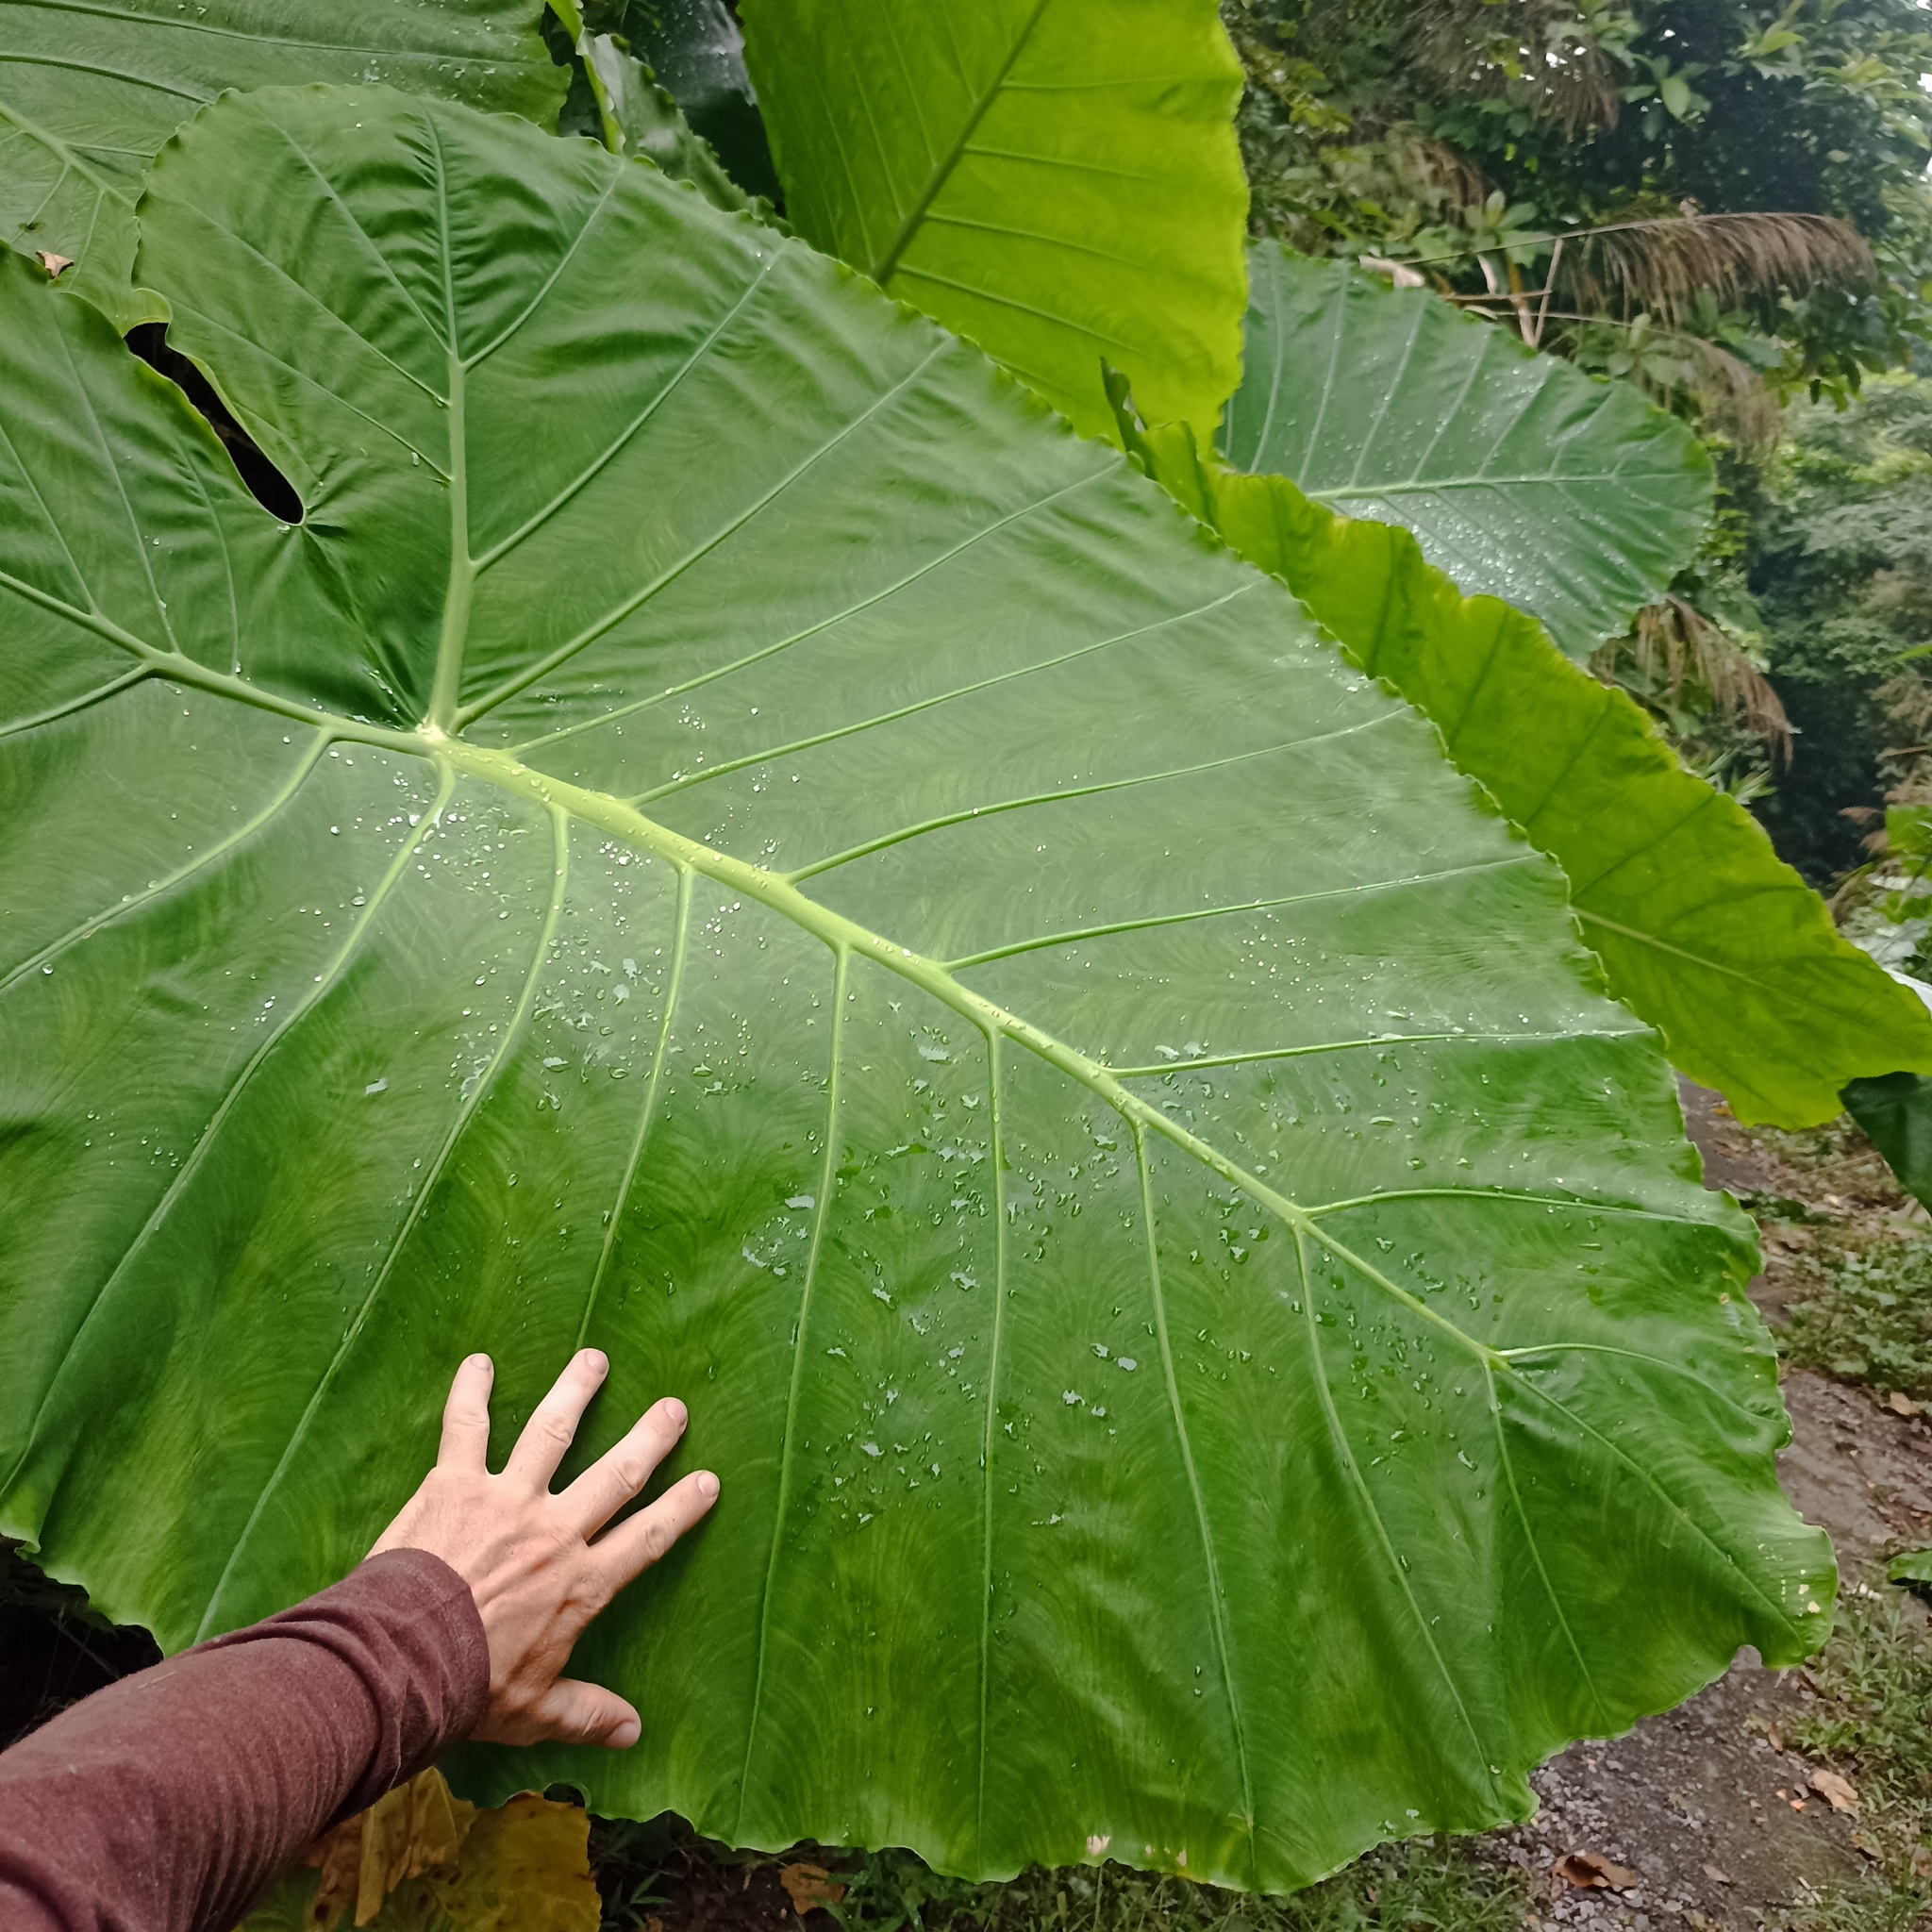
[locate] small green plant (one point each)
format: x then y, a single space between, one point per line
1871 1319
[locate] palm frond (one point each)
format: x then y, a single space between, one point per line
1657 266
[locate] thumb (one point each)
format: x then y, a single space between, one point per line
574 1712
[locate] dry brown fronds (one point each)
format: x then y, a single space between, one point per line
1672 645
1464 44
1657 266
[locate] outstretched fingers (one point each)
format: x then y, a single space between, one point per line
465 1444
553 1423
624 1470
639 1540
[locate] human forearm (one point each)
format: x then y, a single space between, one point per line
163 1802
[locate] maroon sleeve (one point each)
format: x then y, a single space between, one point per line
165 1802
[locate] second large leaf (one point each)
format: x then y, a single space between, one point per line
1058 180
1521 477
727 833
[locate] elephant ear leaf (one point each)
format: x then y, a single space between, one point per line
88 93
1520 476
1056 179
725 835
1703 930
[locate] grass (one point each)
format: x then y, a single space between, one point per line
1871 1319
1874 1722
1426 1886
1442 1889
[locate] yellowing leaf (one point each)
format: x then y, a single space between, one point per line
525 1869
1592 1870
421 1858
419 1827
808 1886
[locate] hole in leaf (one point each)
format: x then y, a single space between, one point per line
266 484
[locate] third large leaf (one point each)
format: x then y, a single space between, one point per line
1520 475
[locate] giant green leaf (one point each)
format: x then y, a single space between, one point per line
90 89
1058 180
1520 475
726 833
1702 929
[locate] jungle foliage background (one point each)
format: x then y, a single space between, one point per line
1724 203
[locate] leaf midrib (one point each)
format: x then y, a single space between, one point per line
845 937
779 893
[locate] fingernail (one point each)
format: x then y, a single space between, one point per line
625 1734
707 1485
596 1362
674 1413
479 1361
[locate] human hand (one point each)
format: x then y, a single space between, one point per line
527 1554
